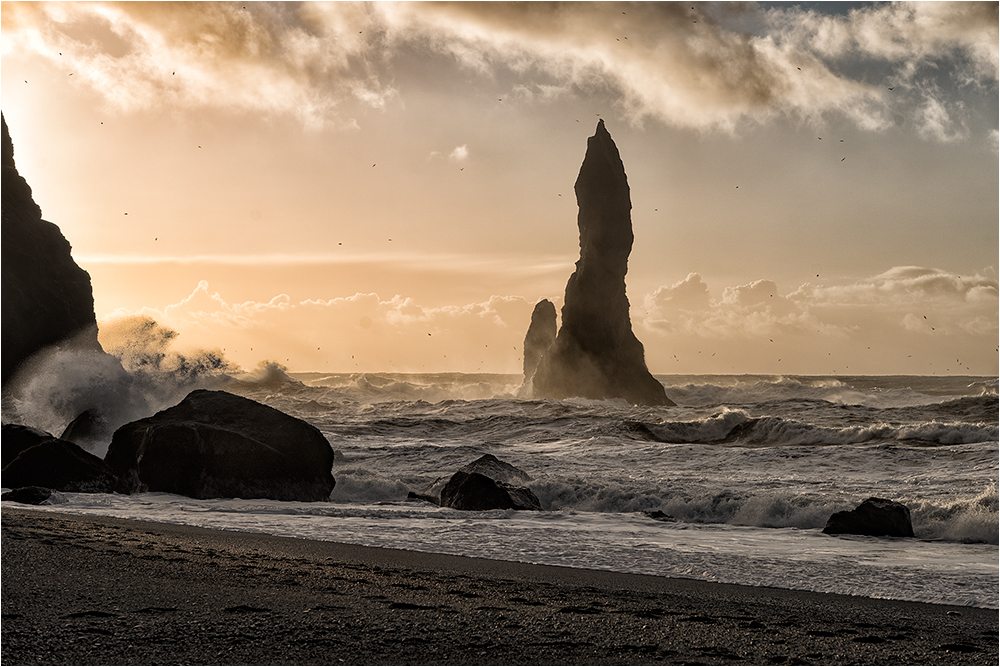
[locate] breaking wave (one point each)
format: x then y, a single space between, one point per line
737 427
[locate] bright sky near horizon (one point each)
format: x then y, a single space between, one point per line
389 186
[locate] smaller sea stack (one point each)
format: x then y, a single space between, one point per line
541 334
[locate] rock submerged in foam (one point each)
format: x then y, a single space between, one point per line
214 444
595 354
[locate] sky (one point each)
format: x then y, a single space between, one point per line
387 186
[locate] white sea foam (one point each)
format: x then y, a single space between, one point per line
749 468
905 569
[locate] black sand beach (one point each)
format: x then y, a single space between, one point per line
98 590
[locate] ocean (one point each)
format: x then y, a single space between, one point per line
749 468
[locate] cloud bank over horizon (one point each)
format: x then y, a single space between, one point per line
874 324
706 67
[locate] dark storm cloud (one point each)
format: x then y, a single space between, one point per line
706 66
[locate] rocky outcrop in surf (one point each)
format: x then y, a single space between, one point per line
218 445
876 517
489 483
541 334
47 298
595 354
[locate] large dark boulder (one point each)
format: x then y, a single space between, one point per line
487 484
214 444
595 354
15 438
46 297
57 464
87 426
541 334
28 495
876 516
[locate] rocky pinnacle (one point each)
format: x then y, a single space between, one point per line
595 354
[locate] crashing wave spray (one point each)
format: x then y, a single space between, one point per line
139 375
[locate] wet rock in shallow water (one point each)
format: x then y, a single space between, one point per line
595 354
28 495
61 465
487 484
877 517
214 444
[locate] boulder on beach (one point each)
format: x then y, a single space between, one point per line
28 495
487 484
877 517
595 354
541 334
47 297
60 465
214 444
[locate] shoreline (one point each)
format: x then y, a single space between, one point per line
100 590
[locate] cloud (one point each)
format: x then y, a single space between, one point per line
720 65
715 66
903 313
266 58
688 294
358 332
460 154
904 287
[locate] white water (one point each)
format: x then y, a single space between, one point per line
750 468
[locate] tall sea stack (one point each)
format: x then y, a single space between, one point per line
46 297
595 354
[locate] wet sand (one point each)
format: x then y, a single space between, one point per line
101 591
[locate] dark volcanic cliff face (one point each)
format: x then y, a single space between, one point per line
595 354
46 297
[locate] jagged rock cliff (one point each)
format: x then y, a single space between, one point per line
46 297
541 334
595 354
